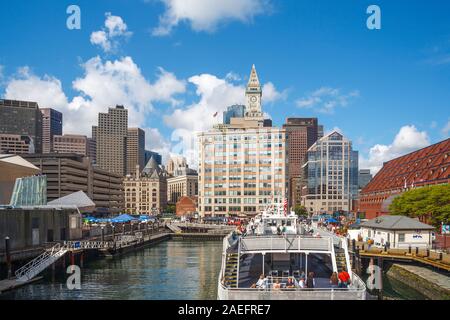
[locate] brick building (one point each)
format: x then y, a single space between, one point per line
423 167
186 206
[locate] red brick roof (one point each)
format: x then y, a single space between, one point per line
426 166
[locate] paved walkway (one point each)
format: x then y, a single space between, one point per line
437 278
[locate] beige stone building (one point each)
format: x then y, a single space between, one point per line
146 191
242 166
15 144
181 186
73 143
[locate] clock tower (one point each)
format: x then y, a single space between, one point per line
253 96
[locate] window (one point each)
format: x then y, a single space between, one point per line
401 237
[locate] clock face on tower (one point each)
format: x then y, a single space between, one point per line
253 99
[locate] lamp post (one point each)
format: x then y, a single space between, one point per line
8 256
103 233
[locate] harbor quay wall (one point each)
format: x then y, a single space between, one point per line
419 279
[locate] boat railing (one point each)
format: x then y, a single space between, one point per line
356 291
287 243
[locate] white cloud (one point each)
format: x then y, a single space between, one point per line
215 95
206 15
104 84
446 129
326 100
270 93
156 142
407 140
27 86
114 28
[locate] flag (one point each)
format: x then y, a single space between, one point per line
285 206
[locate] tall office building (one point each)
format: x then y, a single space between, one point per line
52 122
332 172
234 111
301 133
22 118
242 166
111 140
135 149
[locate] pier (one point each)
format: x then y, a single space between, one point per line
104 246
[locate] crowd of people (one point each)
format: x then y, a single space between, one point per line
340 280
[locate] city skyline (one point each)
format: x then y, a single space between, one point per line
319 74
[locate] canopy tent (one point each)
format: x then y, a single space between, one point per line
123 218
332 220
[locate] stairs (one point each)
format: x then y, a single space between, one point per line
174 228
340 259
231 270
39 264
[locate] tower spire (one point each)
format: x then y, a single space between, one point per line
253 82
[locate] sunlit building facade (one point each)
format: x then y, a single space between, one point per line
242 166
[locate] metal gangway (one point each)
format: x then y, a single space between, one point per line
40 263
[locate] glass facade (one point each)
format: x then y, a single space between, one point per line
30 191
332 174
235 111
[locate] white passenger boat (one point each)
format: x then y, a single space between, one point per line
279 247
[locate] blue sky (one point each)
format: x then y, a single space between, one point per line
175 65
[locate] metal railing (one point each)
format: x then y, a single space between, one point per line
40 263
286 244
356 291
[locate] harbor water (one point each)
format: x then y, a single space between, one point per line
169 270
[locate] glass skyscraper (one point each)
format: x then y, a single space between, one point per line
332 175
234 111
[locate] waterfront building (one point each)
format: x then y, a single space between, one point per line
22 118
72 143
69 173
397 232
16 144
180 186
135 149
13 167
146 191
186 206
427 166
364 177
111 140
149 154
32 226
52 124
332 173
301 133
242 166
234 111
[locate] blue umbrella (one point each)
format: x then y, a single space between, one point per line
332 220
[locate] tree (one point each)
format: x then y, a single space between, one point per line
300 210
430 203
171 208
